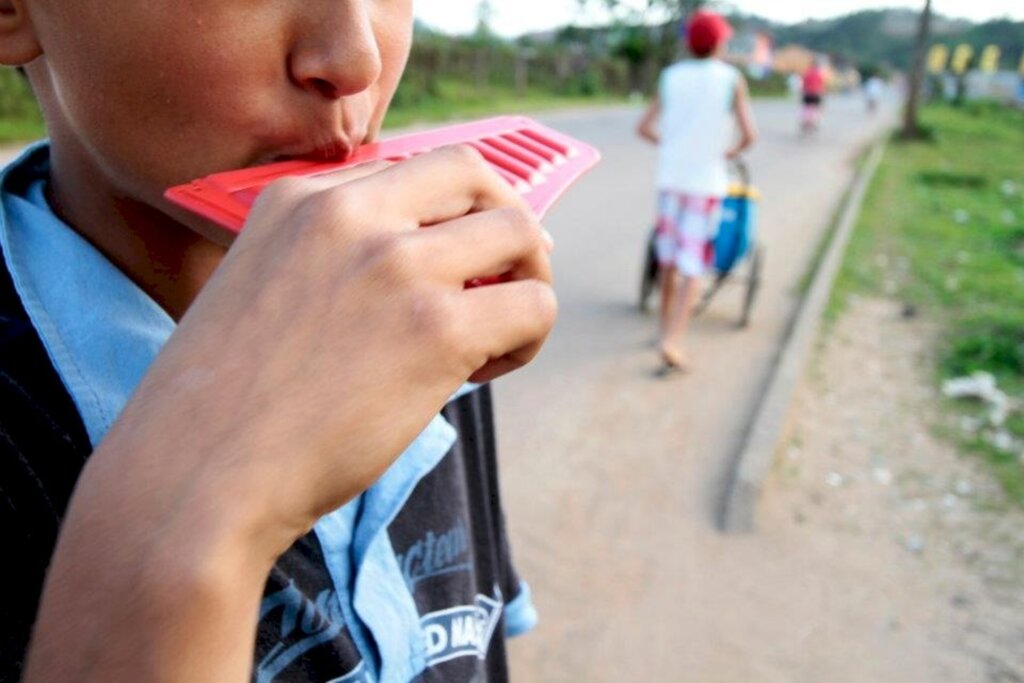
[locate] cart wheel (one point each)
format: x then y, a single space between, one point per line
709 294
649 275
753 284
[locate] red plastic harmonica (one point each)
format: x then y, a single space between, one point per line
537 161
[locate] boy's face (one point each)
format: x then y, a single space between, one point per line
151 93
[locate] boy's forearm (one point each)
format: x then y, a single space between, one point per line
649 134
745 121
746 142
149 586
647 128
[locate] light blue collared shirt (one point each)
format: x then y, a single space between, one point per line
102 332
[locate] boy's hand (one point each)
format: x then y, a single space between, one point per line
336 328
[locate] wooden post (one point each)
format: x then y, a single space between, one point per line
911 127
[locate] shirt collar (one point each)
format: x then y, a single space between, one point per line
99 328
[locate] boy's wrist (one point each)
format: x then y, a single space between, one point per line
148 482
138 578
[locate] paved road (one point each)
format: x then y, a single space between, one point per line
613 478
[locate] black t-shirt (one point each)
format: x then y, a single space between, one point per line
449 537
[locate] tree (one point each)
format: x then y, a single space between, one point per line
484 17
911 123
645 51
676 8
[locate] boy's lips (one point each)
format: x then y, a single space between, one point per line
312 148
324 141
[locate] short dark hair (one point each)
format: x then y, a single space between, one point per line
704 52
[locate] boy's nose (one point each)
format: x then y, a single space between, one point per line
336 53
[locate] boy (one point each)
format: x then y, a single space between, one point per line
236 425
696 103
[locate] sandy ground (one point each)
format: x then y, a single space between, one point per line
882 555
918 559
613 480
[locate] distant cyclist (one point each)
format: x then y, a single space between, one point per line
692 121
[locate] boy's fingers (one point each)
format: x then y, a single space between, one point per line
441 185
282 195
349 174
509 322
486 244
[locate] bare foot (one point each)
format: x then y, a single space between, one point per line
675 360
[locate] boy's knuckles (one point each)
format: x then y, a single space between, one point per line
542 304
436 322
465 157
285 191
392 258
524 224
339 207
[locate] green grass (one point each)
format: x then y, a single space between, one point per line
456 99
20 118
457 103
943 229
17 130
453 99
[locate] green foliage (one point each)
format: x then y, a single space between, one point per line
20 118
885 37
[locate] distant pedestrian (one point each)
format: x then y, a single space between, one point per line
691 120
873 91
813 89
794 84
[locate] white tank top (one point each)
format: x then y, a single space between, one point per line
697 126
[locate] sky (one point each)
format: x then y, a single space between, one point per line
514 17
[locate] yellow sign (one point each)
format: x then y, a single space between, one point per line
938 56
1020 69
990 59
962 58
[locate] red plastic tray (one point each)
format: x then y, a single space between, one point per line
539 162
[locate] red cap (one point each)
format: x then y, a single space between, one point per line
705 31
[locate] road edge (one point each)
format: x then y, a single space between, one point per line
756 454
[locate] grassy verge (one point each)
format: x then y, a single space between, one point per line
943 230
18 130
453 99
20 119
456 99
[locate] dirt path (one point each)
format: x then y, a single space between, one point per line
882 555
919 561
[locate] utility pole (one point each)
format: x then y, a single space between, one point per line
911 127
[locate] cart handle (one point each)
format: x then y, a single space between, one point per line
739 166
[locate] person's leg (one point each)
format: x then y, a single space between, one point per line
668 279
686 291
695 230
667 248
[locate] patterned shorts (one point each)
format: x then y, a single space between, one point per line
687 226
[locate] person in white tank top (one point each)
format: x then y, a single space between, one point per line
693 120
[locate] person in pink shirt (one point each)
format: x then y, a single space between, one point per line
813 88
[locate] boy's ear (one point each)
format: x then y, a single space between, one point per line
18 42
